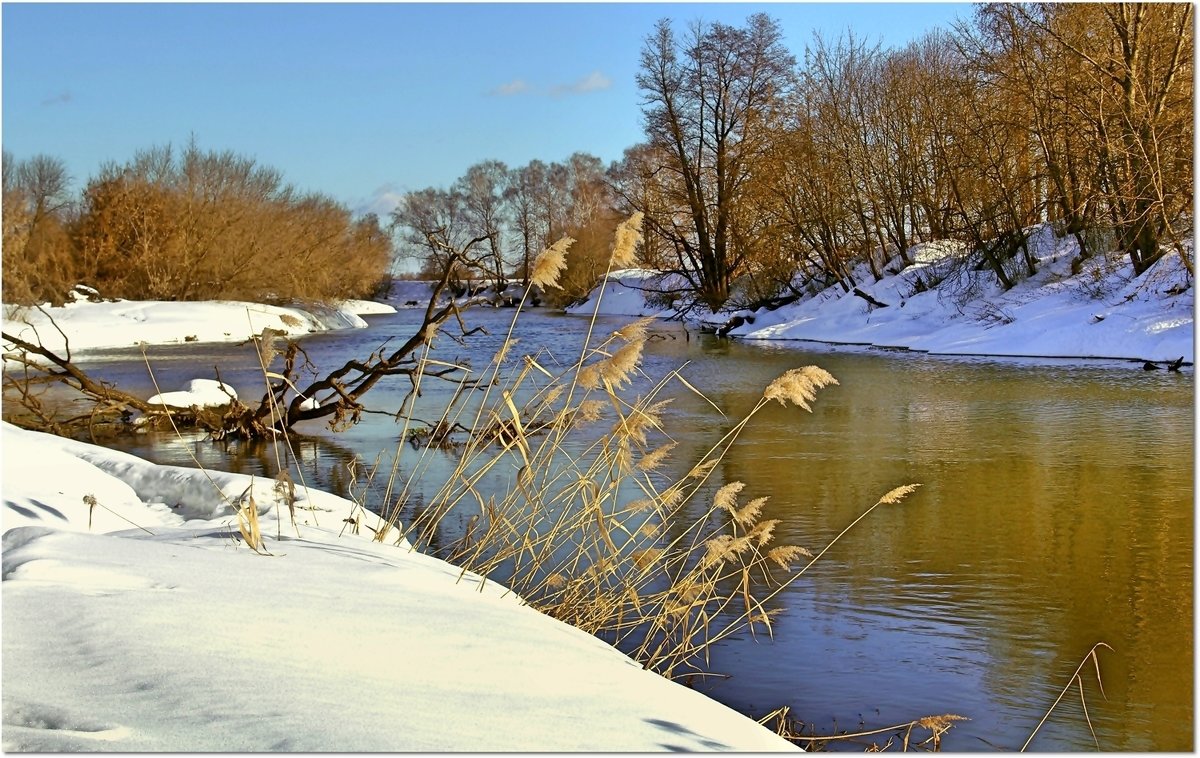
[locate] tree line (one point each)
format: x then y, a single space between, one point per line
185 224
511 215
760 173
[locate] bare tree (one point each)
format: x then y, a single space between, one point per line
523 188
429 223
710 103
806 196
837 79
637 184
1052 84
39 260
1139 60
482 193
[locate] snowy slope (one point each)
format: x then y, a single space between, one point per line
1053 314
1099 312
123 323
171 635
625 293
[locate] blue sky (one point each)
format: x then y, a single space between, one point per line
362 101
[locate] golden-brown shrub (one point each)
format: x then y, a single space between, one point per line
191 225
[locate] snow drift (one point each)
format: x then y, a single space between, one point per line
142 623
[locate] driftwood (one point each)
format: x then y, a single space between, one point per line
869 299
1168 365
37 365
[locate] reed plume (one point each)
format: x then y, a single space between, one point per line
799 386
550 263
628 235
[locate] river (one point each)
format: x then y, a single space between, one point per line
1056 512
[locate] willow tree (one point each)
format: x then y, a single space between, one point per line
711 101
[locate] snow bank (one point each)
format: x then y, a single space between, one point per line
625 293
205 393
171 636
1052 314
365 307
45 485
1098 312
132 485
124 323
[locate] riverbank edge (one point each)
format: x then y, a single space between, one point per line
90 326
901 349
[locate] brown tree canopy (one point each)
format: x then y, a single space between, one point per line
183 225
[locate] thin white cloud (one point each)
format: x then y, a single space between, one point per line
515 87
593 82
381 202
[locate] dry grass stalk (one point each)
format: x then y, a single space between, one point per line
750 512
637 424
703 469
790 729
762 532
599 535
899 493
247 518
643 559
635 331
617 371
588 411
784 555
1076 680
502 354
590 376
649 529
652 460
270 342
726 497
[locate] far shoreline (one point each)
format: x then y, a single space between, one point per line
939 354
899 349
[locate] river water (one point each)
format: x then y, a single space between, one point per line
1056 512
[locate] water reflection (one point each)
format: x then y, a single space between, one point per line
1050 520
1056 512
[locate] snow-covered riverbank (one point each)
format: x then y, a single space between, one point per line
1096 312
122 323
144 623
137 619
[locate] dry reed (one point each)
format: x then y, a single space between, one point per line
593 528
